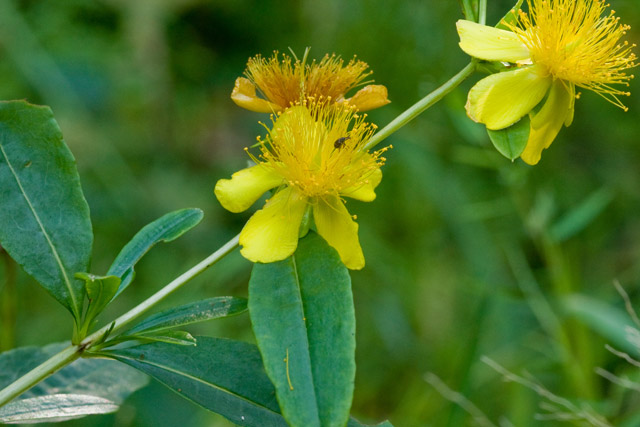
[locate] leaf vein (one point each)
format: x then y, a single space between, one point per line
44 231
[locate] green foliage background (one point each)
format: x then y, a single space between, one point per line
464 248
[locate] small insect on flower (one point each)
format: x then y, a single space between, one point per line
340 142
283 83
557 46
306 160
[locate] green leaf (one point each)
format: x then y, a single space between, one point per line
100 291
103 379
223 376
44 220
187 314
165 229
355 423
511 17
608 321
54 408
511 141
581 216
303 318
169 337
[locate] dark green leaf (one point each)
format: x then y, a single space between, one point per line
104 379
165 229
54 408
581 216
511 141
44 220
303 318
221 375
100 291
200 311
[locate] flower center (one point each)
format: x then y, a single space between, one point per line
318 148
576 43
285 83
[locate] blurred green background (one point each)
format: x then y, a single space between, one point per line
467 253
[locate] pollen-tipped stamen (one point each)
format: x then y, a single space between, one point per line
576 43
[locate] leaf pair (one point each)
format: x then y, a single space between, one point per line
44 220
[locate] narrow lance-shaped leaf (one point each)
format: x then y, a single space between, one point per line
221 375
44 220
165 229
169 337
579 218
608 321
187 314
86 386
302 314
55 408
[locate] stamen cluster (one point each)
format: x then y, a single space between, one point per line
576 42
318 148
284 82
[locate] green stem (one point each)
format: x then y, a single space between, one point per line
416 109
468 10
8 303
482 13
73 352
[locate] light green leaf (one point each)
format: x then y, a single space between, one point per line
102 379
608 321
187 314
223 376
165 229
355 423
511 17
303 318
100 291
44 220
54 408
511 141
579 218
169 337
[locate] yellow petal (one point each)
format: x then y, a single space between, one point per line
244 95
366 191
369 97
337 227
546 124
271 234
491 44
502 99
245 187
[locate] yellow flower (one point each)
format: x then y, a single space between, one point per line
558 45
313 157
283 83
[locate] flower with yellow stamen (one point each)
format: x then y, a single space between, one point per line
558 45
283 83
313 157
